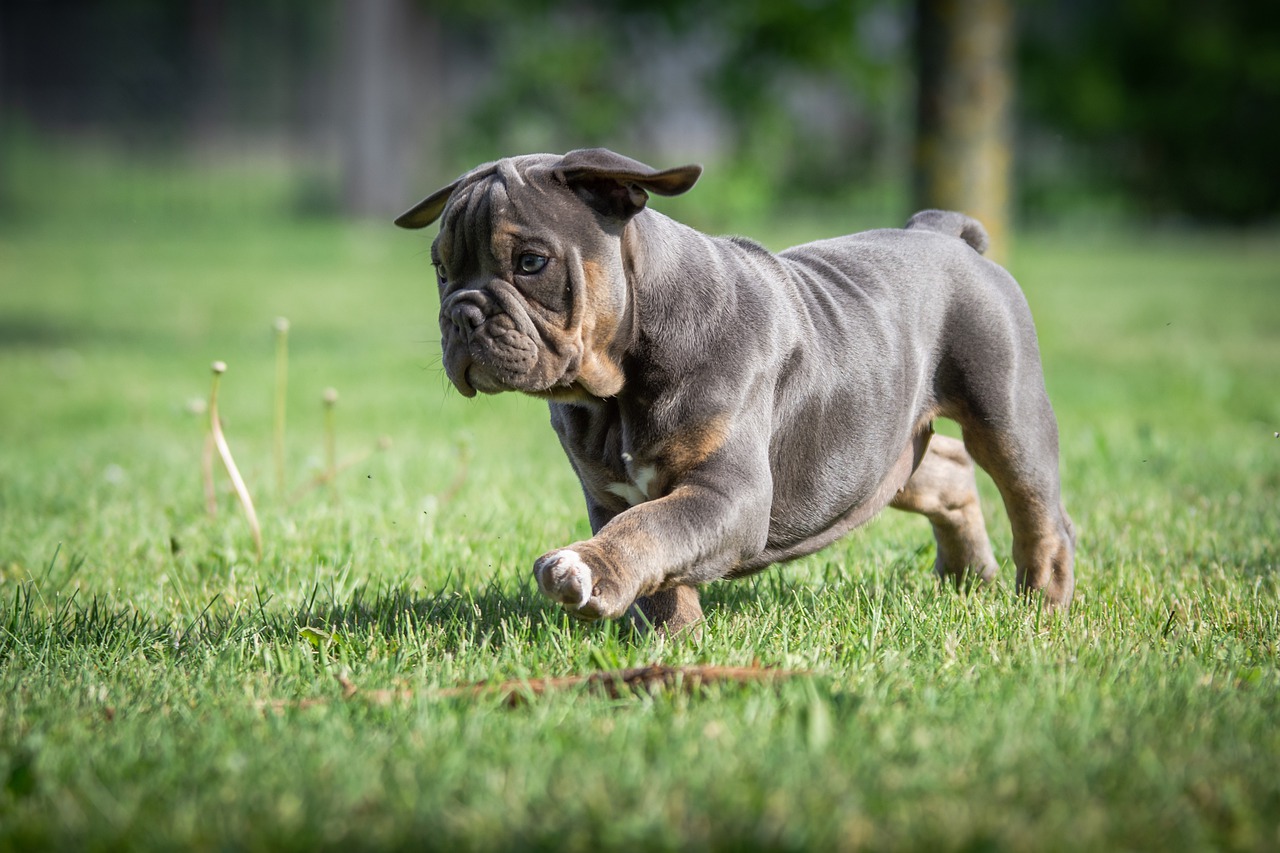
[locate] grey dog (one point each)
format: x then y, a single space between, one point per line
726 408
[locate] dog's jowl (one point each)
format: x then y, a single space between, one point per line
727 408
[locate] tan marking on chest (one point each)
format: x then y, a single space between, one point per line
677 457
695 445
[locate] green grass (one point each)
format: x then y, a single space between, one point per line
152 669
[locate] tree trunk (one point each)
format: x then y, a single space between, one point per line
963 155
387 94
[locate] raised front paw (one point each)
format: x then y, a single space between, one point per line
566 577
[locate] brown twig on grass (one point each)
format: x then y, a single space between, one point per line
220 442
616 684
654 678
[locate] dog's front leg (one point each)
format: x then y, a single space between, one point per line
698 532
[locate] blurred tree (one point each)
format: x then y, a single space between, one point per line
209 43
794 98
964 79
805 88
153 73
368 31
390 99
1175 101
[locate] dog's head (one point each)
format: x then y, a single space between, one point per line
534 293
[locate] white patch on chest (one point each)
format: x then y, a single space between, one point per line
636 492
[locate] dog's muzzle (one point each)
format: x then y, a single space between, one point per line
485 348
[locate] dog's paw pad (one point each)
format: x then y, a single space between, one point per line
565 577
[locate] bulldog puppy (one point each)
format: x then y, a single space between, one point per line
726 408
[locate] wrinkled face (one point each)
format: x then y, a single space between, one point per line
532 290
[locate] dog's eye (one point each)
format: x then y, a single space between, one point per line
530 264
441 276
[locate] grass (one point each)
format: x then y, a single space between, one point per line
154 673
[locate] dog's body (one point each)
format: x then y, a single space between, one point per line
726 408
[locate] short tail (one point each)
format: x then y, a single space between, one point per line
953 225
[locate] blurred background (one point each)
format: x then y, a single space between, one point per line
1047 113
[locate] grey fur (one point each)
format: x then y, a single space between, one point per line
726 408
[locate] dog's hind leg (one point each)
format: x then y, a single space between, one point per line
990 381
943 489
1018 447
669 611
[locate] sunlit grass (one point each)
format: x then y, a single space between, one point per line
153 668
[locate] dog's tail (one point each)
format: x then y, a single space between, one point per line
953 225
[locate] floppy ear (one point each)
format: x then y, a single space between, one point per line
619 186
428 210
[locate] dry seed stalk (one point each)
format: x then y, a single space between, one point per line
220 442
327 476
330 442
206 474
281 326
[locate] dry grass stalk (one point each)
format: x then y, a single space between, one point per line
330 441
206 474
281 327
327 475
224 451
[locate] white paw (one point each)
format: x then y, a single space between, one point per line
563 576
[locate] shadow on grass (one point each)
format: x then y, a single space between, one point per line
34 623
39 624
36 617
457 617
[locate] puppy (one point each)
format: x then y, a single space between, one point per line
726 408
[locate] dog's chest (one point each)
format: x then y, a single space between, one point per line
639 484
617 469
619 480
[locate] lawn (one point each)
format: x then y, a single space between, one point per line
163 686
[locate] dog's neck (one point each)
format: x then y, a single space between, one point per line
665 264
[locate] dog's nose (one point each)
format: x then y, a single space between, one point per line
466 317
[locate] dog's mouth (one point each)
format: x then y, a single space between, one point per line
463 382
471 377
474 376
478 379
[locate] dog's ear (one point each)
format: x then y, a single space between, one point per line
619 186
428 210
